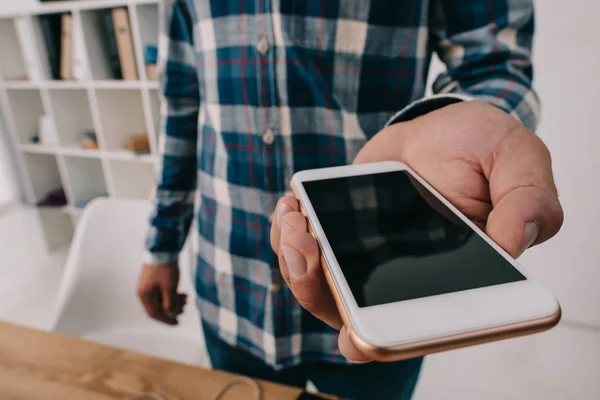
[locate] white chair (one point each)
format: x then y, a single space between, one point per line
97 297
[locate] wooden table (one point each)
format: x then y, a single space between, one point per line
36 365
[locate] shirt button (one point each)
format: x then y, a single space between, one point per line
275 287
262 46
268 137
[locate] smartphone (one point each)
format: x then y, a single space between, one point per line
410 274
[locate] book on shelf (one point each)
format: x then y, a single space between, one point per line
111 43
151 59
26 39
51 34
80 70
66 53
120 19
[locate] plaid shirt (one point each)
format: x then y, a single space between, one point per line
254 91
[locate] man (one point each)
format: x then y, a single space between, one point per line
257 90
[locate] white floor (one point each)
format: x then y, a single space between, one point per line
563 363
560 364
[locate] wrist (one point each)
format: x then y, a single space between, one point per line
426 105
161 258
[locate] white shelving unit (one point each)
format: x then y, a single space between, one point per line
112 109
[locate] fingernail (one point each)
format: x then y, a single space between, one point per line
530 234
282 209
295 261
358 362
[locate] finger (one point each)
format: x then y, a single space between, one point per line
305 275
348 349
285 205
152 305
526 209
292 221
524 217
147 303
169 302
162 315
182 298
180 303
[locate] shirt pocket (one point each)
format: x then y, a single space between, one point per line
367 53
378 28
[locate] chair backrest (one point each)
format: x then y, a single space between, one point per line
98 288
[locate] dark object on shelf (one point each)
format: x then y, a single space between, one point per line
150 60
91 135
51 30
34 139
111 44
56 198
120 18
138 143
89 141
151 56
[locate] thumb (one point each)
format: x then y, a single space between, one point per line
524 217
526 210
168 295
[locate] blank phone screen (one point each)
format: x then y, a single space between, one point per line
394 240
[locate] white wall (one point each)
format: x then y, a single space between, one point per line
567 61
567 78
7 177
7 189
562 363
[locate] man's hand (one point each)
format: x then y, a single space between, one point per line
157 289
493 169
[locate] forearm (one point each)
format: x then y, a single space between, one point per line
176 184
486 47
487 50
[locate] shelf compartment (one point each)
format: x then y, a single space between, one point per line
126 155
132 179
12 64
72 115
43 173
121 115
76 151
94 33
39 148
147 21
98 45
86 179
117 84
26 106
20 84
